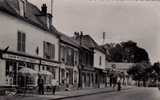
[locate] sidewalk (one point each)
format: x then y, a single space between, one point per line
78 93
64 94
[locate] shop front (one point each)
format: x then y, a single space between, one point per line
50 73
88 77
68 77
101 79
13 69
19 70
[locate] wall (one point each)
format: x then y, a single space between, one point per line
97 55
9 26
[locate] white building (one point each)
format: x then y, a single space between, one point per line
32 41
99 64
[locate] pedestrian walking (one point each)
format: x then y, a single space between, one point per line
54 85
40 85
119 84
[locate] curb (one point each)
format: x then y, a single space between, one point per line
87 94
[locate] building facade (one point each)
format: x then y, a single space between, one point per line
99 64
30 42
86 68
69 58
97 60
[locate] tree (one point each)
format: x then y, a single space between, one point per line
140 55
156 71
133 53
140 72
156 67
127 52
116 53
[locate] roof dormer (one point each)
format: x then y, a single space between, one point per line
22 7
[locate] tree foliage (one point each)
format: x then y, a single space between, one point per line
127 52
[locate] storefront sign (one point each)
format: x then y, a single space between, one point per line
49 63
20 58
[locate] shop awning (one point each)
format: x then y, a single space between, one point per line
27 71
44 72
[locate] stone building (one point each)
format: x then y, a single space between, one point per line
30 41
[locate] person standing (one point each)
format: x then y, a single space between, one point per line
40 86
119 83
54 85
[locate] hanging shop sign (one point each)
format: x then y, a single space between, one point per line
47 63
20 58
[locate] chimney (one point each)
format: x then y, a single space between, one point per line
44 9
46 17
49 21
76 35
81 37
81 33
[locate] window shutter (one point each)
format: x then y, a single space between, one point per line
53 51
44 49
19 41
23 42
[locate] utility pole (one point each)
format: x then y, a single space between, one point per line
52 1
104 37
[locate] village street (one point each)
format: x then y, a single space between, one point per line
131 94
127 94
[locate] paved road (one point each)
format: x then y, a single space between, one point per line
132 94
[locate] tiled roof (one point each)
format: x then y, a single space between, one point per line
68 40
71 41
31 14
90 42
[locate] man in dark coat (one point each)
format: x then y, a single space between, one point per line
40 85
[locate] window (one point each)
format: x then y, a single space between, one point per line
54 73
21 42
63 75
70 56
75 76
29 65
49 50
100 60
76 58
62 54
43 67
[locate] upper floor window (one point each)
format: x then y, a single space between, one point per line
70 56
100 60
49 50
21 46
76 57
62 54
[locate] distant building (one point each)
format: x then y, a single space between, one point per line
32 40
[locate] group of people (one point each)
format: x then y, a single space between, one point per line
40 84
115 81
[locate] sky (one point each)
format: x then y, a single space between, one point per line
122 20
